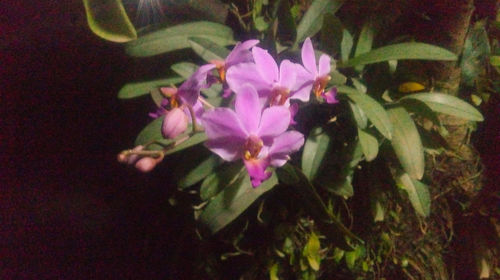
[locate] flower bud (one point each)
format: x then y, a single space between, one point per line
126 157
146 164
175 123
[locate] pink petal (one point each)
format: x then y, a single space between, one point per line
287 74
266 66
248 108
283 145
245 73
274 121
257 170
308 58
174 123
331 96
324 65
189 91
240 53
303 93
223 123
228 148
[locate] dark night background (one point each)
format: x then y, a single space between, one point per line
68 210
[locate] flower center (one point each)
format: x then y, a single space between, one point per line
221 69
171 94
252 147
320 85
278 96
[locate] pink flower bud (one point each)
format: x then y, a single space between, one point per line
175 123
146 164
126 158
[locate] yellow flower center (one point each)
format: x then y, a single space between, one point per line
252 147
278 96
320 85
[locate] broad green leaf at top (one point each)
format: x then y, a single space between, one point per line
313 19
177 37
108 20
402 51
207 49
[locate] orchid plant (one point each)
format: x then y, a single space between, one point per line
257 130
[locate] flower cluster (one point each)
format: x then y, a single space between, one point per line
257 129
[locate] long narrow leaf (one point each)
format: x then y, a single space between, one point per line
407 143
207 49
313 19
233 201
400 51
418 193
176 37
315 150
373 110
448 104
132 90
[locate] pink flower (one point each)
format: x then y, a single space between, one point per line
256 136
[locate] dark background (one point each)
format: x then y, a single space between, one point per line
68 210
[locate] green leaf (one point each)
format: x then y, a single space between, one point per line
495 60
292 176
311 251
448 104
176 37
184 69
207 49
331 34
225 175
313 19
475 53
359 115
346 45
369 144
132 90
232 201
418 193
337 178
365 42
315 150
152 133
191 141
204 169
407 143
400 51
373 110
108 20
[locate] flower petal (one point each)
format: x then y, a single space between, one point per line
287 74
223 123
248 108
228 148
257 170
274 121
266 66
308 58
240 53
189 91
174 123
331 96
324 65
283 145
245 73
